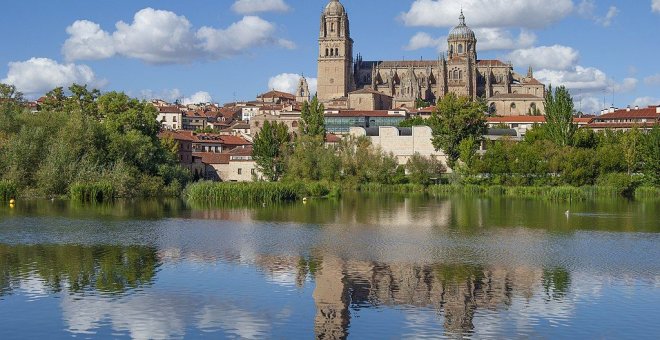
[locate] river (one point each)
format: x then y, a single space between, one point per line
364 266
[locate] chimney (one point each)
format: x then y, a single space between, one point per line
636 107
628 108
612 109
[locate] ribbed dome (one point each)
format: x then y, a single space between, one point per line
461 31
334 8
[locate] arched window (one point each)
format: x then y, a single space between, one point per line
513 107
460 75
336 52
327 52
492 109
451 50
332 52
456 75
460 48
332 27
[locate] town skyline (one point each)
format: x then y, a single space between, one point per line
234 50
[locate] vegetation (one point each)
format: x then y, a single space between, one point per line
271 146
559 112
85 138
7 191
256 192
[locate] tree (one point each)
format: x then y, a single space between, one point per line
312 121
84 100
414 121
630 143
271 146
455 119
312 160
651 156
559 116
55 100
423 170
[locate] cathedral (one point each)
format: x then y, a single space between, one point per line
347 82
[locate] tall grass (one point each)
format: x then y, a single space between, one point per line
8 190
647 193
93 192
257 192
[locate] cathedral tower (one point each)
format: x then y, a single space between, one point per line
462 41
335 61
302 93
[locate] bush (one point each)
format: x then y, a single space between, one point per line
93 192
619 183
8 190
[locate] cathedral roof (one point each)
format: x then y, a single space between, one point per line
334 8
514 96
462 31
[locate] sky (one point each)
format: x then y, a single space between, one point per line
604 51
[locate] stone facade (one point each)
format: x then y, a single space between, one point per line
460 72
367 100
403 143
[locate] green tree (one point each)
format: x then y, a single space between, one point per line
271 146
312 122
455 119
424 170
312 160
83 100
630 143
559 116
55 100
651 156
414 121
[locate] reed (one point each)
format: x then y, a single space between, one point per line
257 192
8 190
93 192
647 193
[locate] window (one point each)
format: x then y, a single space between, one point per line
460 48
327 52
174 119
336 52
332 27
456 77
513 106
240 171
253 172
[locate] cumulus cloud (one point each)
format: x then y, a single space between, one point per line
36 76
500 39
200 97
250 32
579 78
646 101
168 95
487 13
161 37
87 41
655 6
288 82
425 40
256 6
554 57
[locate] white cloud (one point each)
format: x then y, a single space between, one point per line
87 41
241 36
168 95
498 39
487 13
425 40
628 85
652 80
37 76
256 6
160 37
646 101
655 6
587 10
288 82
579 78
198 98
554 57
588 103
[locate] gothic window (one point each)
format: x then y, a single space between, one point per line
533 107
336 52
460 48
513 107
332 27
492 109
456 76
327 52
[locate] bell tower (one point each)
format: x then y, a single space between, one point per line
335 62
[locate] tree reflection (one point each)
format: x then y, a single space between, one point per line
105 269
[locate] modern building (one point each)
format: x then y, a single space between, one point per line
170 117
340 122
626 119
460 72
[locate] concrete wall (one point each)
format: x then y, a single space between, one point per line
230 172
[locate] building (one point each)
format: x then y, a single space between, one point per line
403 143
184 141
626 119
236 165
460 72
340 122
170 117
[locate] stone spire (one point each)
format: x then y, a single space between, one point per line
530 72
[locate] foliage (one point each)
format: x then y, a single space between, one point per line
455 119
424 170
271 146
559 116
312 160
85 139
255 192
8 191
363 163
651 156
312 122
93 192
414 121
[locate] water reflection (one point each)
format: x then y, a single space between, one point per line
363 266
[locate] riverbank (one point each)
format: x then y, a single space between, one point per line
264 192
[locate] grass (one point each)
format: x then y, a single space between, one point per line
93 192
8 190
257 192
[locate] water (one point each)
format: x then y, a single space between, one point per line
364 267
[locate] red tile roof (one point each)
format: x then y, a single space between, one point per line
332 138
277 94
168 109
649 112
178 135
213 158
620 125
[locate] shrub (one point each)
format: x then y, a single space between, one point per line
98 192
8 190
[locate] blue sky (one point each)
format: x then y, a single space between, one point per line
234 49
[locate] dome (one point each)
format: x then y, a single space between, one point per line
461 31
334 8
